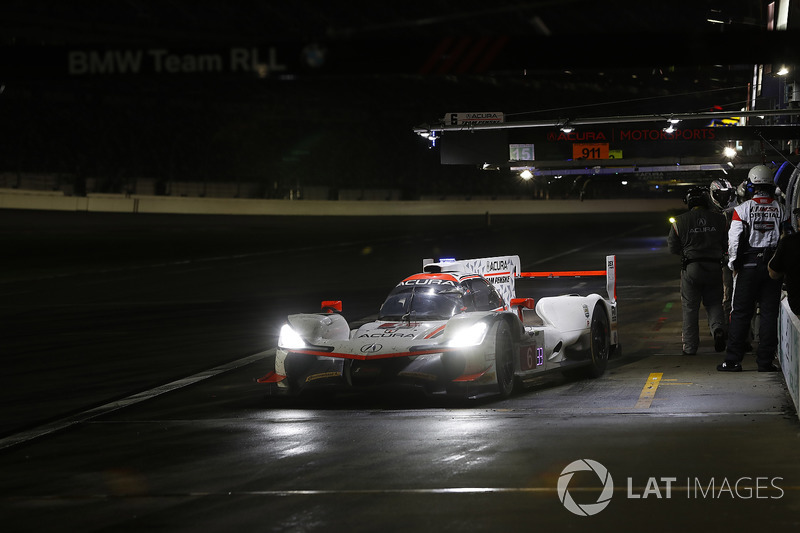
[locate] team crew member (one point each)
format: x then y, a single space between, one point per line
699 237
723 196
786 261
752 239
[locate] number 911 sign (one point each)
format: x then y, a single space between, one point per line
590 151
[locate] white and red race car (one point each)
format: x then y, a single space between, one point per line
456 328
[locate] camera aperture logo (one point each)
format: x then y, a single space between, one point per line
587 509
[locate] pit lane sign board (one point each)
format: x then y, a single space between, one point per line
590 151
466 119
521 152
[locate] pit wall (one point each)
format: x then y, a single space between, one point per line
788 350
119 203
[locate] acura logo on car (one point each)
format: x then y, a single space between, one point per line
371 348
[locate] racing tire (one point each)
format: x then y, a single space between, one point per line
504 359
600 341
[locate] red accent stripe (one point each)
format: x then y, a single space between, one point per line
496 274
438 275
359 357
567 273
436 55
453 56
476 49
490 55
272 377
435 331
472 377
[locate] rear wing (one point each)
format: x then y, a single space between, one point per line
502 271
610 273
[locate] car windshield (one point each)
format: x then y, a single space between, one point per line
414 302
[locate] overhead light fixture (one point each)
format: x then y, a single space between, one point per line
526 174
430 135
671 127
783 71
567 129
729 152
715 16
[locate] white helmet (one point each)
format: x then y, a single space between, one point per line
721 192
760 175
742 194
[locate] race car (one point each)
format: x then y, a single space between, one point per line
456 328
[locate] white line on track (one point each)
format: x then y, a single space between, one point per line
58 425
346 492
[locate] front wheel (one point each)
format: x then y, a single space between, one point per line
504 359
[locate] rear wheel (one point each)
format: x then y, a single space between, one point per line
600 336
504 359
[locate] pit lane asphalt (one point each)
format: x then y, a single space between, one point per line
113 326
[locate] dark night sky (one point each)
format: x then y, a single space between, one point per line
356 77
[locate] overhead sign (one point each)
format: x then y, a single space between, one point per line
613 142
465 119
520 152
166 61
590 151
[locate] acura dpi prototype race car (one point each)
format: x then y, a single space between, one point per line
456 328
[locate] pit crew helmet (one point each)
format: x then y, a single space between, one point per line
742 192
760 175
721 192
696 197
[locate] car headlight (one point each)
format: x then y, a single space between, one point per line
290 339
469 336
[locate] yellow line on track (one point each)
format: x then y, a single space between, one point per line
649 390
